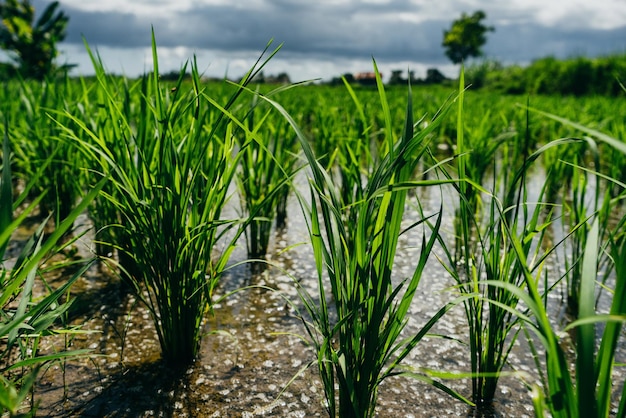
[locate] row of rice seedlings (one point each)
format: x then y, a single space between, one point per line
578 212
587 389
286 146
560 161
583 199
483 253
356 154
101 98
268 162
478 148
142 132
37 140
614 161
359 343
26 318
92 111
171 169
344 141
488 256
491 266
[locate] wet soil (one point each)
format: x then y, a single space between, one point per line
253 359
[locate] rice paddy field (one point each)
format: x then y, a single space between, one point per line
216 249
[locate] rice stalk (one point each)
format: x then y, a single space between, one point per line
362 346
171 170
27 318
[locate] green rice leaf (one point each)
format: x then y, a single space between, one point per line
6 190
585 347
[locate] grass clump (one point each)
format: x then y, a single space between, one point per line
27 318
171 162
357 336
586 389
268 161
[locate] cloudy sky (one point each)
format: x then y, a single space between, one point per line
326 38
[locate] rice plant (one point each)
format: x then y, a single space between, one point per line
37 140
481 145
345 141
487 255
594 364
268 161
560 171
171 174
356 154
577 211
358 339
587 390
290 163
583 200
93 112
26 318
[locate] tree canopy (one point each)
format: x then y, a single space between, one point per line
32 45
466 37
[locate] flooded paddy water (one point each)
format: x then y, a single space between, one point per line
254 357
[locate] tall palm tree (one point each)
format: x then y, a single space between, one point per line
32 43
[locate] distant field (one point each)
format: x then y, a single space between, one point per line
510 206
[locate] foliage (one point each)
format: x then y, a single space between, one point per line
268 161
362 347
586 389
39 140
26 318
466 37
163 143
33 43
577 76
171 165
484 251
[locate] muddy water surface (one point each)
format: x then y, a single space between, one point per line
253 361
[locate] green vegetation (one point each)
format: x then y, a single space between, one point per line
38 141
483 252
159 165
576 76
171 165
363 345
268 162
466 37
33 44
26 318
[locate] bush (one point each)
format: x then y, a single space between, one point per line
576 76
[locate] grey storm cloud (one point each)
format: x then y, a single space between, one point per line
325 31
523 43
310 30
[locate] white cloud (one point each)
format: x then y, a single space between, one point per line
603 14
597 14
325 38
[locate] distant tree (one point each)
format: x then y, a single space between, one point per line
338 81
396 77
466 37
259 78
349 77
283 78
434 76
34 44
